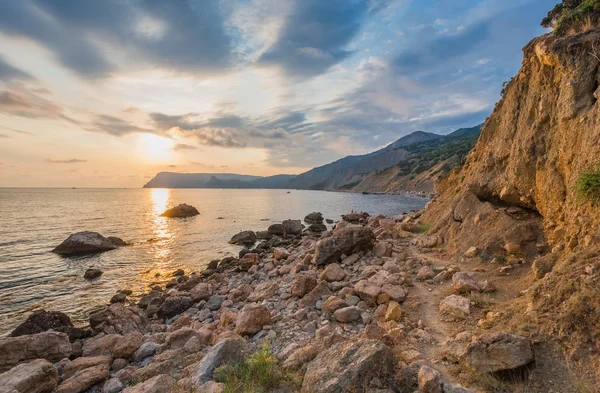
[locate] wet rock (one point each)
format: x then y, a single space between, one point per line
173 306
333 272
455 306
347 314
346 365
251 319
494 352
52 346
303 284
117 318
87 243
464 283
38 376
158 384
92 273
226 352
316 228
244 238
343 241
275 230
180 211
314 218
291 228
429 380
41 320
118 298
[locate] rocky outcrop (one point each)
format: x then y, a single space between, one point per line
180 211
87 243
343 241
51 346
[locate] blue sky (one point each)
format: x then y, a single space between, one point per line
107 93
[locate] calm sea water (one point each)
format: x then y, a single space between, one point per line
34 221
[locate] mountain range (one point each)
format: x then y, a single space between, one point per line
413 162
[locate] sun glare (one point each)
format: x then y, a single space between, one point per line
155 148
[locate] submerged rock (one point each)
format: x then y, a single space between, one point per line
87 242
180 211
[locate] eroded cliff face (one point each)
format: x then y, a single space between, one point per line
516 193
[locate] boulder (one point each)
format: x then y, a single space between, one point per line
425 273
180 337
92 273
316 228
128 345
343 241
83 373
355 218
226 352
145 351
280 253
429 380
180 211
41 320
383 249
275 230
314 218
251 319
263 291
118 318
244 238
101 345
113 385
333 303
174 305
87 243
455 306
495 352
302 285
52 346
37 376
346 365
291 228
333 272
464 283
202 291
393 312
347 314
158 384
367 291
311 298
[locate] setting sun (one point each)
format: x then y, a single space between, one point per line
155 148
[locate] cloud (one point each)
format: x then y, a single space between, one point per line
316 35
4 136
17 131
183 146
9 73
71 161
115 126
18 101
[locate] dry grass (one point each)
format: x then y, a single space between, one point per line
481 300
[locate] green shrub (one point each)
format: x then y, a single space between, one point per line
258 373
574 15
420 228
588 185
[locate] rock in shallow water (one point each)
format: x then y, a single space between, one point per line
180 211
87 242
92 273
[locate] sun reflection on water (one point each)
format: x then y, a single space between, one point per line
162 233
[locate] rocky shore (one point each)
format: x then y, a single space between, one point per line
363 307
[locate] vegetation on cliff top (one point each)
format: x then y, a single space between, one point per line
573 16
588 185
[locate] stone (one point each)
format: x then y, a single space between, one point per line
275 230
118 318
248 260
280 253
346 365
367 291
92 273
202 291
395 292
393 312
263 291
316 228
314 218
429 380
383 249
501 351
456 306
472 252
180 337
311 298
211 387
291 228
127 345
227 351
37 376
464 283
101 345
451 388
347 314
244 238
52 346
174 305
158 384
87 242
113 385
145 351
355 218
303 284
251 319
343 241
333 272
333 303
214 302
118 298
180 211
41 320
425 273
83 373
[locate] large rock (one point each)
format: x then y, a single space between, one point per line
463 283
367 291
455 306
87 243
41 320
158 384
181 210
251 319
355 218
52 346
92 273
333 272
101 345
117 318
226 352
493 352
346 365
263 291
38 376
343 241
83 373
347 314
275 230
202 291
318 292
244 238
333 303
302 285
291 228
429 380
174 305
314 218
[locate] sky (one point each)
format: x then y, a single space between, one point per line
108 93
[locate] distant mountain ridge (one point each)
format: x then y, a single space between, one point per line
344 174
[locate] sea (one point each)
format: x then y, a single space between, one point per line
34 221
